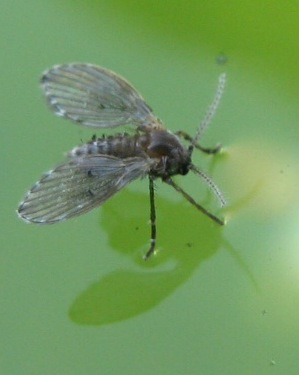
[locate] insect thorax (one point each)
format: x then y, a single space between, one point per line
174 157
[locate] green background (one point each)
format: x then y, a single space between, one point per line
76 298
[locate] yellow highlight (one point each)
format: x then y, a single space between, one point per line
262 177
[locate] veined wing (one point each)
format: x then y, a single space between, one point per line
95 97
78 186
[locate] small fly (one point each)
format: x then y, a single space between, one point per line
99 98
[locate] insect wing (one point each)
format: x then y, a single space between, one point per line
78 186
95 97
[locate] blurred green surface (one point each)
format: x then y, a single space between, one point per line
76 298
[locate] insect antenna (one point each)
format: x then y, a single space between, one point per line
211 184
212 109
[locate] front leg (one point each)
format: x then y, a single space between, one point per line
213 217
207 150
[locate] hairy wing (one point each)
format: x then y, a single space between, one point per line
78 186
95 97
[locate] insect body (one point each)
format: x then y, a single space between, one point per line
98 98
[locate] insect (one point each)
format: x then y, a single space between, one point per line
98 98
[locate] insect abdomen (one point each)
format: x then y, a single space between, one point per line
122 146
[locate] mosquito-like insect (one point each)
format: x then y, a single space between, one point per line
98 98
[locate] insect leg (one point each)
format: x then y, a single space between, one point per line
170 182
207 150
153 219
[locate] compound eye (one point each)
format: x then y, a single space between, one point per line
184 169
